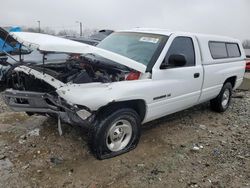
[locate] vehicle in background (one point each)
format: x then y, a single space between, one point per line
93 39
248 64
131 77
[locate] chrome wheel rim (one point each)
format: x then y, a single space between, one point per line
119 135
225 98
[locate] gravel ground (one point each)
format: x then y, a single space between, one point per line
192 148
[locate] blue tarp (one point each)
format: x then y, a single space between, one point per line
15 29
7 48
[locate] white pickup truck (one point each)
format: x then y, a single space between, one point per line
130 78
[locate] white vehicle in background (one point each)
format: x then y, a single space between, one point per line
130 78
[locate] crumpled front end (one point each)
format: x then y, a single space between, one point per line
47 104
35 92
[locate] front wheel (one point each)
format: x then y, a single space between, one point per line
222 101
115 134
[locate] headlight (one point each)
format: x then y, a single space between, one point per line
84 114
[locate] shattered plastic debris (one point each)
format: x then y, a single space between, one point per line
197 147
34 132
203 127
21 141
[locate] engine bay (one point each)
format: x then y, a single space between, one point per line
76 70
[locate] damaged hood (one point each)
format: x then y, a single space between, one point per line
48 43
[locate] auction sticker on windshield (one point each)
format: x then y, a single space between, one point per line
149 39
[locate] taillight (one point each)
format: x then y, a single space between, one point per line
133 76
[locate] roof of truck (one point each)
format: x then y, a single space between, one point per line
169 32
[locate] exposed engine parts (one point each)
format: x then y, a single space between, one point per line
76 71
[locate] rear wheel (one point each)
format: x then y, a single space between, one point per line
114 134
222 101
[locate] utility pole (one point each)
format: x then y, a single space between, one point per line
39 26
80 27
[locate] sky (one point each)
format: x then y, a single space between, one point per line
222 17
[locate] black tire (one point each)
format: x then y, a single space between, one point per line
217 103
98 133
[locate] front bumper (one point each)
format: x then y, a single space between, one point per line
44 103
23 101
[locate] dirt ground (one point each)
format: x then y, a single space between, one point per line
192 148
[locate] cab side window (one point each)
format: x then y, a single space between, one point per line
181 46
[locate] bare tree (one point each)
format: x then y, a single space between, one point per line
67 32
246 44
30 29
46 30
88 32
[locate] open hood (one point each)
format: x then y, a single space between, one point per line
48 43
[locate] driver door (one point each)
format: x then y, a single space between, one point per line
180 86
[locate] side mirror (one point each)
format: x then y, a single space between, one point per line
177 60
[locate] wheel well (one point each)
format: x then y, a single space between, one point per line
231 80
138 105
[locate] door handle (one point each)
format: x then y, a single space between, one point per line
196 75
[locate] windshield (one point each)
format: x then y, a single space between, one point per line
140 47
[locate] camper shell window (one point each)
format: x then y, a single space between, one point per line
223 50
